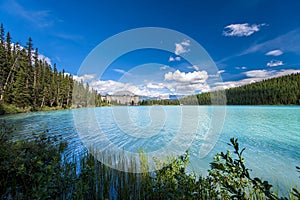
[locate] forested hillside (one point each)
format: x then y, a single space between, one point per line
283 90
29 83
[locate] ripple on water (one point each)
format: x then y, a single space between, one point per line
271 135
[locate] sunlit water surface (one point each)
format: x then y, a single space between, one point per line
270 134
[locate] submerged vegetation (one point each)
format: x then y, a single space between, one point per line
37 169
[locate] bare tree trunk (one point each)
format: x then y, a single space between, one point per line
34 86
43 101
7 78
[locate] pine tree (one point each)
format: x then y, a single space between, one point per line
2 34
35 79
21 96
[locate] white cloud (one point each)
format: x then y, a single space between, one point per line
274 63
254 76
262 74
190 77
243 68
181 48
221 71
84 78
177 58
179 83
155 86
286 72
186 83
164 96
164 67
112 87
274 53
258 73
121 71
171 59
241 30
189 88
195 67
45 59
40 56
289 42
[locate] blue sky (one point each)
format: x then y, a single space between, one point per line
247 40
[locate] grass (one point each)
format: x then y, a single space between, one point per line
12 109
36 169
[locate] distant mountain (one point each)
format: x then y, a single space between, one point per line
175 97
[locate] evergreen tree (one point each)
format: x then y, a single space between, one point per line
2 34
21 95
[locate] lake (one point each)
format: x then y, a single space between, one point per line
270 134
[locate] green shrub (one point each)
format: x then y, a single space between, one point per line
232 179
11 109
29 168
36 169
2 111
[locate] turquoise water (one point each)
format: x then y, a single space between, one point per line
270 134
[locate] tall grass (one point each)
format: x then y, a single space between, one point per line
36 169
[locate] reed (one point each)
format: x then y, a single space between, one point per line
38 169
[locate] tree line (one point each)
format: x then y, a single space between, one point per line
159 102
28 82
282 90
276 91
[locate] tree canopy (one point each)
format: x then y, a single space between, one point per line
26 81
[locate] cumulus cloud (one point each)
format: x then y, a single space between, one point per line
274 63
187 83
84 78
155 86
181 47
190 77
111 87
178 83
187 89
276 52
241 30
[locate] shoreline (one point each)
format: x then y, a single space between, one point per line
16 110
